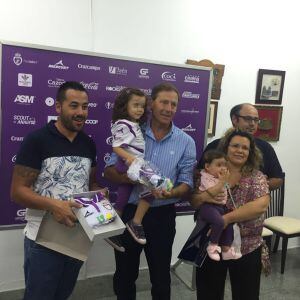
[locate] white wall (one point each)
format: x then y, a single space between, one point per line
243 36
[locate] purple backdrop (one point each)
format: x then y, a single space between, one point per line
30 78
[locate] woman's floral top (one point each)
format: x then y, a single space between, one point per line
249 189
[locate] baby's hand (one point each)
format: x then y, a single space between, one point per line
224 175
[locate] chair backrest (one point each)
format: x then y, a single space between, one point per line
277 201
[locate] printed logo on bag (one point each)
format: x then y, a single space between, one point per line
59 65
116 88
106 157
191 79
92 105
24 79
109 140
188 128
16 138
18 60
21 212
24 120
190 111
190 95
168 76
109 105
20 215
88 67
24 99
91 122
50 118
49 101
90 85
56 83
144 74
117 71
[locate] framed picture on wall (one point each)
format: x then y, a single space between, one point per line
270 122
269 87
213 109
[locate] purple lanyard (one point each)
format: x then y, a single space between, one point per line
93 201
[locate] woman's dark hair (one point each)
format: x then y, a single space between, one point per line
254 160
210 155
121 102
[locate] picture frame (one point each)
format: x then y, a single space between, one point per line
270 122
212 120
269 88
218 73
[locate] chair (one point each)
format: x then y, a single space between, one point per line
282 227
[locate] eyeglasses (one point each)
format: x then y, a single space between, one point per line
239 146
249 119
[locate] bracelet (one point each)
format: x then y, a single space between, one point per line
209 193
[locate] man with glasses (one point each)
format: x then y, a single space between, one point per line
245 117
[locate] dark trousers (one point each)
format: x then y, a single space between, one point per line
244 278
159 227
213 214
49 275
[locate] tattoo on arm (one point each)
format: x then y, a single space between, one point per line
26 175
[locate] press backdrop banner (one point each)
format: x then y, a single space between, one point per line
31 75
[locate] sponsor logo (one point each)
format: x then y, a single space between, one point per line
92 104
188 128
50 118
49 101
109 140
21 215
24 99
147 91
24 79
13 159
16 138
21 212
106 157
144 73
18 60
59 65
56 83
24 120
91 122
87 67
191 78
190 111
109 105
117 71
190 95
116 88
90 85
168 76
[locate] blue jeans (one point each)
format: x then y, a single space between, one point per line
49 275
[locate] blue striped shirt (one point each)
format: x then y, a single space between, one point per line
175 157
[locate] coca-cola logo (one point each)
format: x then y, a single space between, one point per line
90 85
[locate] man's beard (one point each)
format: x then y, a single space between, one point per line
67 122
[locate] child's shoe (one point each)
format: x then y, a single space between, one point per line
231 254
115 242
137 232
213 251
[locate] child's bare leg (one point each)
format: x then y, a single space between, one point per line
141 210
